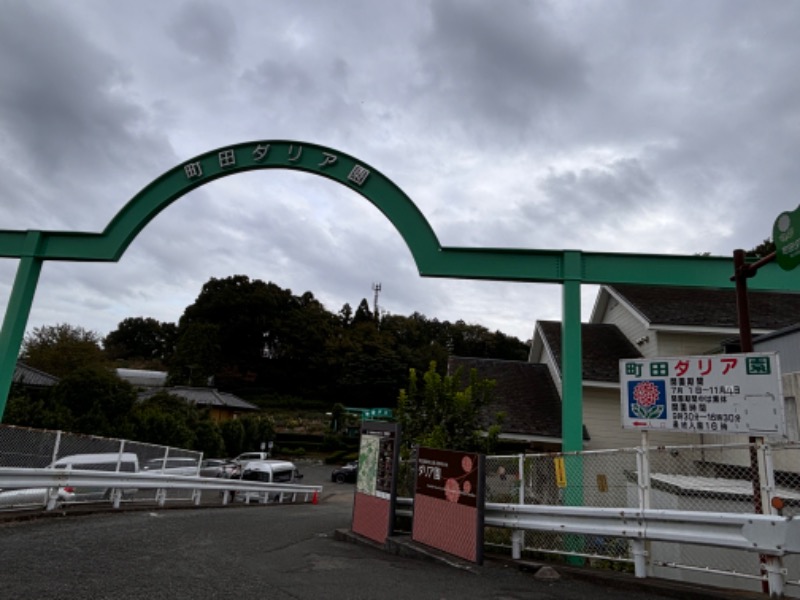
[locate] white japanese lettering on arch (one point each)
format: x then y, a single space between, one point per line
260 152
330 159
227 159
297 155
358 175
193 170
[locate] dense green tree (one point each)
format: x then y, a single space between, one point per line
233 436
197 356
28 407
363 313
170 420
258 430
62 349
444 412
258 340
97 401
141 339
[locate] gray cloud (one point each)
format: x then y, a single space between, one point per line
667 126
204 31
503 66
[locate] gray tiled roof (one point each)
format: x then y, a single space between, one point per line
208 397
603 345
700 307
524 392
27 375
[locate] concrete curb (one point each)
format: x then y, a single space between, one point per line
402 545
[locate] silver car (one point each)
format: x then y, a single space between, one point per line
173 465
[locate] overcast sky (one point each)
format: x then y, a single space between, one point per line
625 126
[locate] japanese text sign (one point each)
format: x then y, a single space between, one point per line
451 476
786 233
721 394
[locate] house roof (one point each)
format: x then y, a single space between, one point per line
143 378
209 397
603 345
27 375
524 391
702 307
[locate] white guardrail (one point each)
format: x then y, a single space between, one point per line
770 535
54 480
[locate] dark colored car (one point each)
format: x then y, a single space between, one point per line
346 474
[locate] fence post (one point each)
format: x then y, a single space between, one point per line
773 565
56 447
52 493
518 535
641 548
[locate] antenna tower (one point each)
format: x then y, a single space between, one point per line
376 287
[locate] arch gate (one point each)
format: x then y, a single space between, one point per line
568 268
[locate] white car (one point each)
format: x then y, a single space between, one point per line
173 465
34 497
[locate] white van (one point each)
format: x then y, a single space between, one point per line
125 462
121 462
268 471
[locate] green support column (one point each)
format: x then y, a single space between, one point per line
17 312
571 355
572 392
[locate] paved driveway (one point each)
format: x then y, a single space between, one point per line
245 552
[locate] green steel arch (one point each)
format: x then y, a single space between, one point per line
569 268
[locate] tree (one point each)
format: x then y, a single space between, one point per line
197 355
172 421
62 349
441 412
141 339
96 402
763 249
34 408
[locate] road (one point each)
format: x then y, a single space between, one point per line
276 552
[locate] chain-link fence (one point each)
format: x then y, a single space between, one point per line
35 448
738 478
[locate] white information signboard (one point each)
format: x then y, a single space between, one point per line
722 394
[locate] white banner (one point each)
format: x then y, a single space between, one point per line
722 394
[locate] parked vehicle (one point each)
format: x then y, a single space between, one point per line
346 473
217 467
248 456
33 497
126 462
268 471
173 465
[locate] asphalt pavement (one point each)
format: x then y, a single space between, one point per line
275 552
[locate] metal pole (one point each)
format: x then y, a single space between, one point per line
17 312
642 563
743 271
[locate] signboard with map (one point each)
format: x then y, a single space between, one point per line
376 463
374 503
